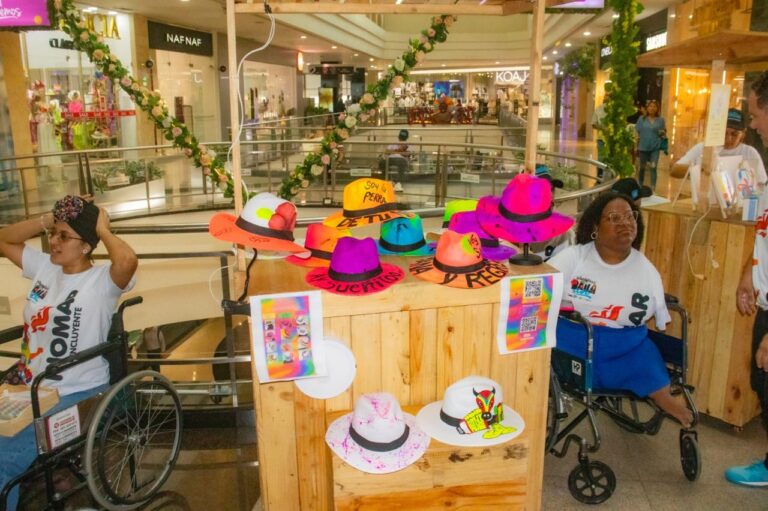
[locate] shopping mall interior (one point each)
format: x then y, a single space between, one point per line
160 111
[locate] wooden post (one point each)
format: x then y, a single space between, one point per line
234 117
534 91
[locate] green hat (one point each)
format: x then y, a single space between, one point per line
457 206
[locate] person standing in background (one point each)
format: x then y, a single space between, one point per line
650 131
753 287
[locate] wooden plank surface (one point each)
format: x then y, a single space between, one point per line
423 359
719 337
314 467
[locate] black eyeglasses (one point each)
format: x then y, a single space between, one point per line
63 236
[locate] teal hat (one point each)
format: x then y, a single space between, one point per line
404 237
457 206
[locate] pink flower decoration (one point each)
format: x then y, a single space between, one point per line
342 115
333 145
98 54
206 171
176 131
431 32
325 159
126 81
223 178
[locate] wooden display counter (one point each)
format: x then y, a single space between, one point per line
412 340
720 338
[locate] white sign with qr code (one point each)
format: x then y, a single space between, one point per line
63 426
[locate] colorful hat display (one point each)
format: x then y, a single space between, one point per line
265 223
366 201
355 269
404 237
458 262
377 437
489 245
524 213
342 369
320 242
457 206
471 414
545 172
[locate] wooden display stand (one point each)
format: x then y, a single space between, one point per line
412 340
719 338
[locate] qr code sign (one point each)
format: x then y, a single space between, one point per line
532 288
528 324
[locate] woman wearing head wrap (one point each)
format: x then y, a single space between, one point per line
68 309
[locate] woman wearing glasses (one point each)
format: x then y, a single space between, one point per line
68 309
609 282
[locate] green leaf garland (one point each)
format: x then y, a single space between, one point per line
619 94
317 162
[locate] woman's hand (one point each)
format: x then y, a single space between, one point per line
102 223
761 356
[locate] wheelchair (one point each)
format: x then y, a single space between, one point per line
129 436
592 481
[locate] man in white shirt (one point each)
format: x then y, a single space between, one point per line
398 156
752 293
734 135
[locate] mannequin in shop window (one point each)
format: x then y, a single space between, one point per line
75 105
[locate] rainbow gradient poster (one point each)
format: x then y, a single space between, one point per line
287 336
528 313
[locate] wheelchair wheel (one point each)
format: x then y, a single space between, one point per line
690 457
133 441
553 420
592 482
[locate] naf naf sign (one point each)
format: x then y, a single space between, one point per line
168 37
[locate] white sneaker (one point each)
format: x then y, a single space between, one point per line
398 187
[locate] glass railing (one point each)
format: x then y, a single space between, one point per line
443 163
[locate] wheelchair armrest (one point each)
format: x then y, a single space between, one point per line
238 308
572 315
670 299
11 334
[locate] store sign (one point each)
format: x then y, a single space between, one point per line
104 25
24 13
168 37
656 41
331 70
511 77
62 44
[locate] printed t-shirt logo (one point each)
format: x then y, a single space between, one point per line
38 292
67 321
761 224
611 313
583 287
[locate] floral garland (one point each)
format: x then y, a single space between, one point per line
317 162
175 131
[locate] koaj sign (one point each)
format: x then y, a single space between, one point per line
168 37
513 77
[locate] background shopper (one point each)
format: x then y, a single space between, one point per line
650 132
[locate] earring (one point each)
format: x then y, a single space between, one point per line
593 235
85 251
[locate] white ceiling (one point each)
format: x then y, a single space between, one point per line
474 40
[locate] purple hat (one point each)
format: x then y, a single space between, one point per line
524 212
489 245
355 270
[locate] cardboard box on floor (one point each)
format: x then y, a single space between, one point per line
49 397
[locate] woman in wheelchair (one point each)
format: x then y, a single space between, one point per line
68 309
613 285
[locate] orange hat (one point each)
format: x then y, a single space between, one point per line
459 262
320 242
366 201
265 223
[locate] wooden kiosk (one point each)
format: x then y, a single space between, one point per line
412 340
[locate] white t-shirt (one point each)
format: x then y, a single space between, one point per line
694 155
760 252
64 315
613 295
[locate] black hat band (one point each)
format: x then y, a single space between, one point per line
401 248
459 269
382 208
379 446
534 217
263 231
354 277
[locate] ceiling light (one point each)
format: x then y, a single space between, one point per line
334 47
554 52
544 57
615 16
112 13
690 16
398 2
497 62
673 15
442 65
373 67
567 45
587 33
356 55
303 37
371 59
90 9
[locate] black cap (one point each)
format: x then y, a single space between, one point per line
403 135
736 119
631 188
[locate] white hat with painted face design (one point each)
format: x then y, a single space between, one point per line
471 414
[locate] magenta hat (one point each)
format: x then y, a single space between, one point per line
524 212
355 269
489 245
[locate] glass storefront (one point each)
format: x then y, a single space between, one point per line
73 106
270 91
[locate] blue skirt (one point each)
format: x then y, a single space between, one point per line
623 358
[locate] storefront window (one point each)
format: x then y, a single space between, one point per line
269 91
6 137
73 106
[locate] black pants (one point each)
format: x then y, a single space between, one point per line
759 378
